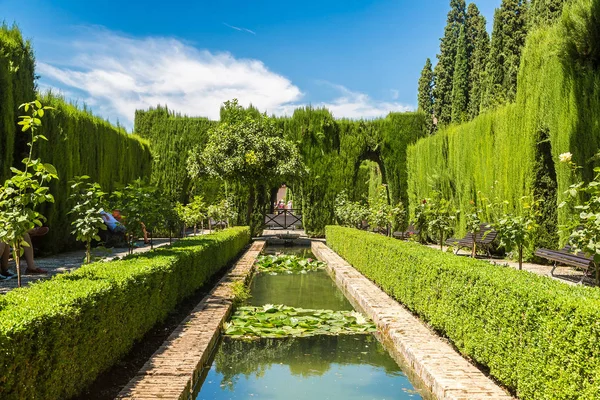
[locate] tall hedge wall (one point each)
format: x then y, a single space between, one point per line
172 136
332 150
58 336
537 336
16 87
515 149
79 143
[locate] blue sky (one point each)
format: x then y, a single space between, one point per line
361 59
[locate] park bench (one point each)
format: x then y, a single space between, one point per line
483 239
566 256
410 231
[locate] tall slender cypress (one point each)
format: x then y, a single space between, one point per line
544 12
478 46
444 70
425 99
508 39
460 82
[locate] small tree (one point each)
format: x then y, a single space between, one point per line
25 190
473 222
441 217
87 199
138 204
380 211
350 213
421 220
583 230
517 229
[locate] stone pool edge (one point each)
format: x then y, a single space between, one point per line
175 368
443 371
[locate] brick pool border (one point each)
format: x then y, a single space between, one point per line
443 371
176 367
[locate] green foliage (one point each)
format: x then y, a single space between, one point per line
240 292
440 216
87 202
172 136
508 39
279 321
425 99
247 150
513 151
545 12
16 87
26 190
478 43
460 82
518 229
583 230
62 333
287 264
350 213
136 202
193 213
538 337
444 69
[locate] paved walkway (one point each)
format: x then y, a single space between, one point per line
568 275
70 261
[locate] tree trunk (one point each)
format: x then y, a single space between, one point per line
87 252
250 204
17 256
520 257
151 242
474 251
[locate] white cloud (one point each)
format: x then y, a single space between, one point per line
116 75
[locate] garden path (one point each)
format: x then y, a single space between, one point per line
70 261
564 274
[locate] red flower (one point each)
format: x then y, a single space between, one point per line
424 201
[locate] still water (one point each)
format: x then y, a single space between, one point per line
320 367
345 367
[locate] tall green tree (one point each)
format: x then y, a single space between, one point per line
508 39
444 70
425 99
247 149
460 82
478 47
544 12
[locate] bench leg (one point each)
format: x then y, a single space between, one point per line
553 268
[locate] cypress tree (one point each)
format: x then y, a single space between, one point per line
508 39
545 12
478 46
425 99
444 70
460 82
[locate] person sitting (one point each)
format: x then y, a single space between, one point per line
5 274
116 213
112 223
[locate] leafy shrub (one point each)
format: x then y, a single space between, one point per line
538 337
59 335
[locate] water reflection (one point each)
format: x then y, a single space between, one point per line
320 367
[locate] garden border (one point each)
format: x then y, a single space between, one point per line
443 371
176 367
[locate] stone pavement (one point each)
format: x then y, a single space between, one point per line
564 274
176 367
70 261
440 368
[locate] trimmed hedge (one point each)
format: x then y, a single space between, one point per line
57 336
537 336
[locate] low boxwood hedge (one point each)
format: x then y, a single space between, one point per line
58 335
538 337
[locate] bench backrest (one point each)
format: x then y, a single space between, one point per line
486 234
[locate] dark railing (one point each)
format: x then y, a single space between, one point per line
284 219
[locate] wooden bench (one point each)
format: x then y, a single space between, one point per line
410 231
567 257
483 239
